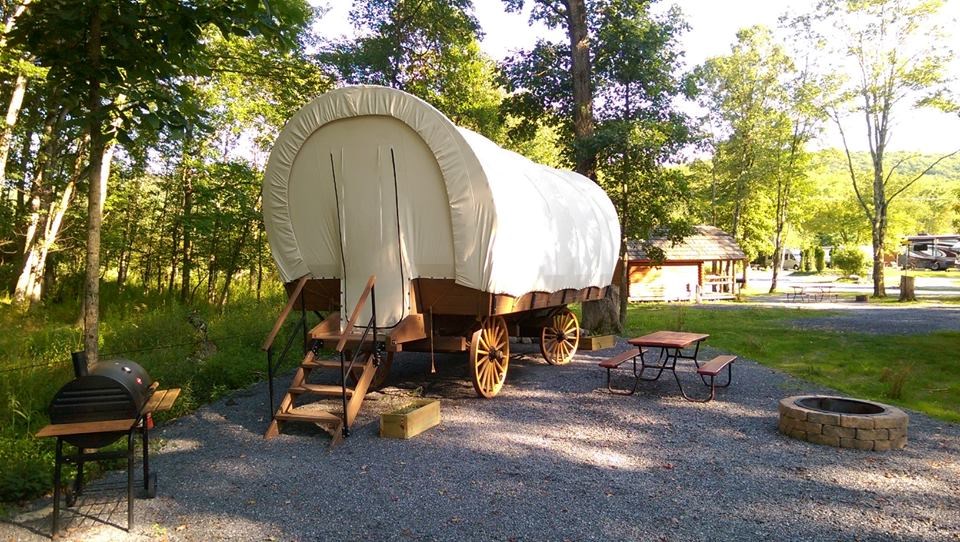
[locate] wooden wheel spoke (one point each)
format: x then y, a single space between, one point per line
489 353
559 339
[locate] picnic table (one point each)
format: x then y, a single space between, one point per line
816 291
674 346
799 292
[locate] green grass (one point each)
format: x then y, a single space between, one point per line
149 329
923 367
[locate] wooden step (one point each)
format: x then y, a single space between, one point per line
324 363
320 389
314 416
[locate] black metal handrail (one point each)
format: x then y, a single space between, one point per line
273 364
371 325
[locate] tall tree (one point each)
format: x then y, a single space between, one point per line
637 69
629 60
16 66
429 48
897 51
742 92
571 16
133 55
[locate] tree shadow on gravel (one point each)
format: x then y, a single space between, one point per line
554 456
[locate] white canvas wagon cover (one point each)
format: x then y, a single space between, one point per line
370 180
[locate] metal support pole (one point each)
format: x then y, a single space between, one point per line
270 378
130 441
343 389
373 310
78 482
145 434
57 473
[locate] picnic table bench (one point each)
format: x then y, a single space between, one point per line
671 344
615 362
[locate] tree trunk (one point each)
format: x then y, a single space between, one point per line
36 223
879 223
907 292
259 258
879 289
21 205
578 33
30 284
232 266
10 122
16 96
601 316
777 262
607 315
95 196
187 264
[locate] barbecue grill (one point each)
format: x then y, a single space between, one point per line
113 390
113 400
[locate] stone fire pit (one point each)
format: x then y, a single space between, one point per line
843 422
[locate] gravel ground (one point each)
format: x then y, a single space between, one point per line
553 457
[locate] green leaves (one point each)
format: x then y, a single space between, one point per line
145 47
428 48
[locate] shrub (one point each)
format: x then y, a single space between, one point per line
819 258
807 260
849 260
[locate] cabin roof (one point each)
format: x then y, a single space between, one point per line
706 243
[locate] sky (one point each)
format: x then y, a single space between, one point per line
713 28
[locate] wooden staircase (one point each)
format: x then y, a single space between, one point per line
358 357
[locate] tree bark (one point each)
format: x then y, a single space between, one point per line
95 195
187 264
601 316
907 292
259 258
232 265
10 122
16 97
880 214
583 125
36 223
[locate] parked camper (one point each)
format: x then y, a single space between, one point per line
792 258
934 252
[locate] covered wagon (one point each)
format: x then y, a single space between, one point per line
464 243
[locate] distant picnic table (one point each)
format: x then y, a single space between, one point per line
813 291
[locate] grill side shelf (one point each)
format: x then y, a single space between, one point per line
79 428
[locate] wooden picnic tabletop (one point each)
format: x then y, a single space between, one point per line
668 339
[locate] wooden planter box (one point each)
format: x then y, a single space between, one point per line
410 420
597 343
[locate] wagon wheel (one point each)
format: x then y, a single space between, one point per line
559 339
489 356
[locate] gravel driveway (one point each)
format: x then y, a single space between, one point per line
554 457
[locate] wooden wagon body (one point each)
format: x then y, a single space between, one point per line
469 244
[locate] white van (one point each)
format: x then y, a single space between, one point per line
791 259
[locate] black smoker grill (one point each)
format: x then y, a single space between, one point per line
97 408
113 390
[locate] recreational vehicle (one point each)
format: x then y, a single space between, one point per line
934 252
